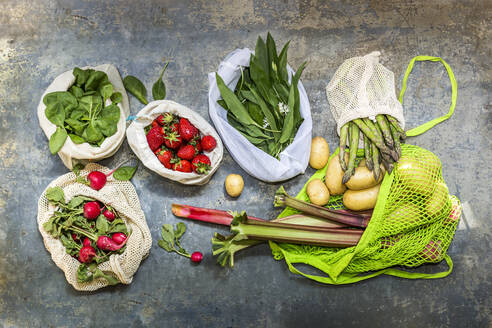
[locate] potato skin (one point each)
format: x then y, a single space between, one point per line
363 178
234 185
320 153
361 200
334 175
318 192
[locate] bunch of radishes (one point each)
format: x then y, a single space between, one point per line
178 145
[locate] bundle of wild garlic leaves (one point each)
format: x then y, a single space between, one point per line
265 106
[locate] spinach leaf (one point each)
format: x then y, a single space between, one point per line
76 91
81 76
55 113
57 140
95 79
136 88
106 90
159 88
63 97
116 97
125 173
92 134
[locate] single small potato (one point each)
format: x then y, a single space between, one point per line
361 200
334 175
234 185
317 192
363 178
320 153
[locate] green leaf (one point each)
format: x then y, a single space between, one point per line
76 124
102 225
63 97
106 90
125 173
136 88
180 230
167 234
116 97
165 245
76 201
57 140
111 114
272 49
261 55
233 103
289 118
266 111
82 180
55 113
81 75
76 91
83 274
255 112
92 134
76 139
159 88
282 64
55 194
222 103
95 79
76 168
109 278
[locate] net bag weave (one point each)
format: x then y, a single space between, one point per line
413 222
120 195
362 87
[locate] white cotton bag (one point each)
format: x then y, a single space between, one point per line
137 140
292 161
84 152
362 87
120 195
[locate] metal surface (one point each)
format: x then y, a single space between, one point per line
41 39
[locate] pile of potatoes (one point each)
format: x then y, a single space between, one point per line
359 193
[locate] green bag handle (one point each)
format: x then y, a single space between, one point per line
454 94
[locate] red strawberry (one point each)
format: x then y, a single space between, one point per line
154 138
155 123
165 157
195 142
158 151
201 164
186 152
208 143
182 166
165 118
186 130
173 140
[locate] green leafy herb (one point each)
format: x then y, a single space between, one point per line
125 173
55 194
159 88
81 112
265 105
171 239
136 88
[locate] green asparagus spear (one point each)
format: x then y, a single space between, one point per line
374 136
367 152
385 129
353 146
343 142
387 162
396 140
394 122
376 171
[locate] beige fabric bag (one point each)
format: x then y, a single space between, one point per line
138 141
85 151
122 197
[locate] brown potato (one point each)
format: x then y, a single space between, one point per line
320 153
317 192
361 200
334 175
363 178
234 185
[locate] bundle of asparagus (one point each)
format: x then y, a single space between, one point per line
381 144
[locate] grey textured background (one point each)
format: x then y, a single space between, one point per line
41 39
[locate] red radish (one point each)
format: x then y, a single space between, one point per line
196 257
97 179
118 237
75 238
87 254
107 244
91 210
109 215
208 143
86 242
432 251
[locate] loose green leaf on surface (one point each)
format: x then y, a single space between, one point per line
159 88
171 239
125 173
136 88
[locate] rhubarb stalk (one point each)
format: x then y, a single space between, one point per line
282 199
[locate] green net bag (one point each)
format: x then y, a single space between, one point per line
413 222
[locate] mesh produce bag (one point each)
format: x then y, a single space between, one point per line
122 197
413 222
362 87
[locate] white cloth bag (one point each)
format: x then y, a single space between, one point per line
85 152
293 160
137 140
120 195
362 87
